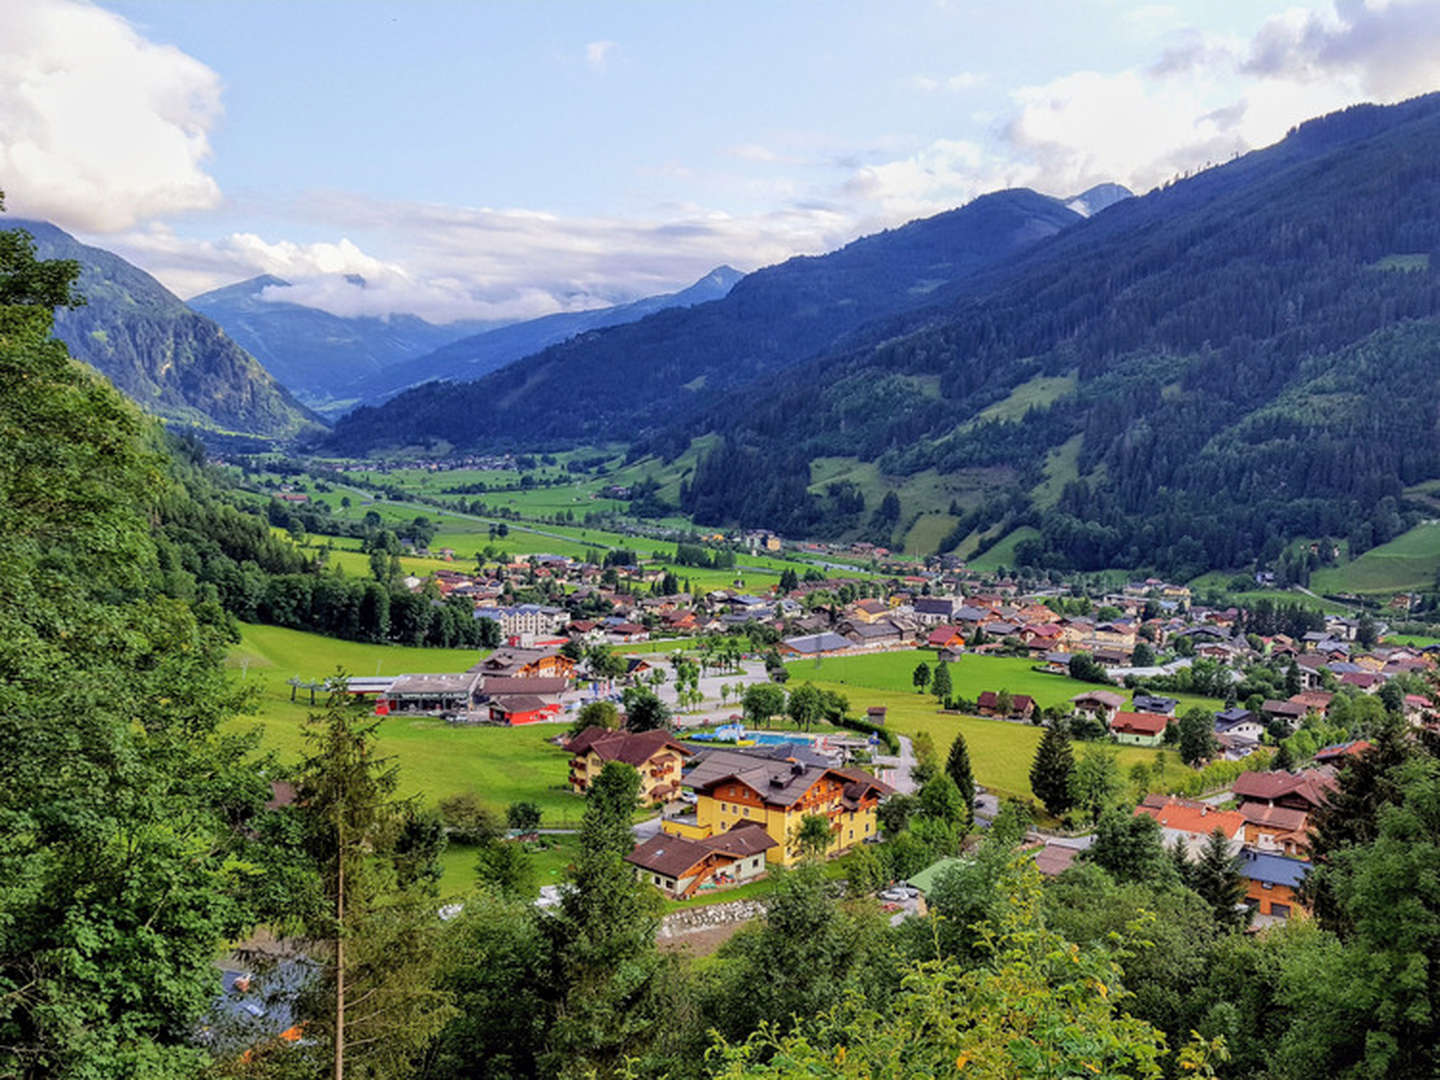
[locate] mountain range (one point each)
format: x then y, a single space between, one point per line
175 362
678 361
1183 380
321 357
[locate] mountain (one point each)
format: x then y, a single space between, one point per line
478 355
1100 197
321 357
1187 380
173 361
676 362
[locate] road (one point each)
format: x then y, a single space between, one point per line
895 771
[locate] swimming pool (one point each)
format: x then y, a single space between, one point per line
780 740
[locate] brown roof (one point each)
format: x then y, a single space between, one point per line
1284 708
518 703
1274 817
669 856
1104 697
1140 723
632 749
782 783
1052 859
1310 785
538 684
745 839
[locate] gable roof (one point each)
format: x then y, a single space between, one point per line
1102 697
632 749
1311 785
1274 869
1140 723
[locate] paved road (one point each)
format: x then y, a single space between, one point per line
895 771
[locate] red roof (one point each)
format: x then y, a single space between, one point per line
1201 820
943 635
1310 785
1140 723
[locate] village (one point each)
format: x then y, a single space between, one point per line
731 797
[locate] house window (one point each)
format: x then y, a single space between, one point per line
1266 886
852 835
747 811
656 878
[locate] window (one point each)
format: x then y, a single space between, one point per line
655 878
1266 886
747 811
852 835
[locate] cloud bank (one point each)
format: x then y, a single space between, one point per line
100 128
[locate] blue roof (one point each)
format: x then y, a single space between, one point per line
1274 869
816 643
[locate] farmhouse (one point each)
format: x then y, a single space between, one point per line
1021 705
514 662
1300 791
1101 704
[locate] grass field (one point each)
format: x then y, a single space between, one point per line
1000 752
1410 561
1003 553
549 863
503 765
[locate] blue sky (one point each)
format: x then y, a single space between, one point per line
509 159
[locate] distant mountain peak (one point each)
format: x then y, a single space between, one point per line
1093 200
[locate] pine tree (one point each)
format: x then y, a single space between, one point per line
940 681
375 1005
1292 679
1283 761
1217 877
957 766
1050 771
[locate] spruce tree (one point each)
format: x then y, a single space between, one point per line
940 681
1217 878
1050 771
957 766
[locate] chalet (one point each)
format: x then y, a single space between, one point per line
1057 662
1300 791
1191 823
1416 707
626 633
1240 722
1139 728
525 620
1110 658
1021 705
1289 711
1041 636
734 788
514 662
867 611
681 867
1101 704
1278 829
656 755
1273 882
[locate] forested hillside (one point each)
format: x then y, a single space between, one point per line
1253 355
174 362
612 383
478 354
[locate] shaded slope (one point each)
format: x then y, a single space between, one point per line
639 377
174 362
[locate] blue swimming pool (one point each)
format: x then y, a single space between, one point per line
778 740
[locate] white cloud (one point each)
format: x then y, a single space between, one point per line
100 128
965 80
597 53
484 263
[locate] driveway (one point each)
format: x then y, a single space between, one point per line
895 771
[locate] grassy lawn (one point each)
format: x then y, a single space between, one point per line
550 864
969 676
503 765
1003 553
1418 640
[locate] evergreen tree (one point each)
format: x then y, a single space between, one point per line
921 677
1292 679
1197 737
1050 771
1283 761
1217 877
940 682
376 1004
957 767
604 940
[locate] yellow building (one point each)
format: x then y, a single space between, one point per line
656 755
779 794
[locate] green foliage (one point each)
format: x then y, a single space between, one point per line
644 711
940 799
762 702
940 684
1197 736
602 714
1095 782
1217 877
523 815
1051 769
957 767
1130 848
921 678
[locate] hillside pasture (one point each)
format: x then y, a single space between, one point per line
1408 562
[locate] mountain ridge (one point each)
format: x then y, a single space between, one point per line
173 361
